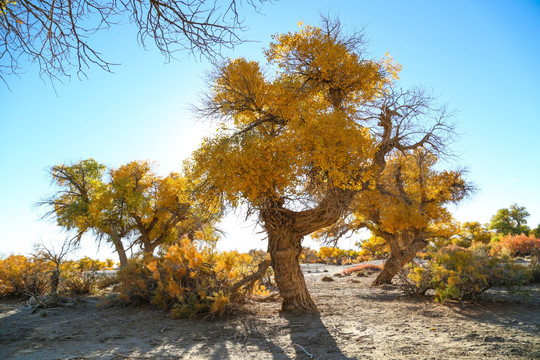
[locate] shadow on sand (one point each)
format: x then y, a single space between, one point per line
90 332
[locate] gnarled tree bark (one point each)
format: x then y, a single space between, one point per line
398 259
285 247
286 230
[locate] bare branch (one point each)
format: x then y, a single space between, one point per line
57 34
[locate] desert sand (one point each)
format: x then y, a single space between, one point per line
356 321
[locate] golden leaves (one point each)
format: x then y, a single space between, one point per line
414 196
291 131
329 63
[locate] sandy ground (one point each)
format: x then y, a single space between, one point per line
356 322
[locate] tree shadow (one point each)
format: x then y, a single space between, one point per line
145 332
311 339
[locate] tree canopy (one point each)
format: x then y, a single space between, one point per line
512 220
406 208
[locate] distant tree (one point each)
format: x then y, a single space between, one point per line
536 232
80 207
512 220
159 209
132 207
296 147
57 35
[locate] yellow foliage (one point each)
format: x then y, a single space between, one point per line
465 273
22 276
412 200
25 276
374 248
296 132
186 279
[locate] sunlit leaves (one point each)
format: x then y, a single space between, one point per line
132 203
188 279
293 134
327 63
512 220
80 183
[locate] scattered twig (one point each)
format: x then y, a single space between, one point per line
308 354
271 297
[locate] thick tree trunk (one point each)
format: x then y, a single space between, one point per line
119 247
285 248
397 260
286 229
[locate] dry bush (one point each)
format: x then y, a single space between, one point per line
21 276
190 281
416 279
517 245
464 273
535 269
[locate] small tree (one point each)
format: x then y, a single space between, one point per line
158 209
80 205
56 257
407 208
132 207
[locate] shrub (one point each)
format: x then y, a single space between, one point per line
23 276
337 256
188 281
517 245
77 277
416 279
462 274
31 276
362 268
535 269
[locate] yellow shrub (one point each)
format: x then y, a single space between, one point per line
186 280
465 273
22 276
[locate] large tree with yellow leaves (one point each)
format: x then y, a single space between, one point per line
303 136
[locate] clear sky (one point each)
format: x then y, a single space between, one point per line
481 57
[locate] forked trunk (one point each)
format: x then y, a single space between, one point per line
286 229
397 260
285 248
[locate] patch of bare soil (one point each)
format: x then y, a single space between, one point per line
356 322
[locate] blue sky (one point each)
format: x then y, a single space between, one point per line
481 57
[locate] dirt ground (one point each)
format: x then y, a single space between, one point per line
355 322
